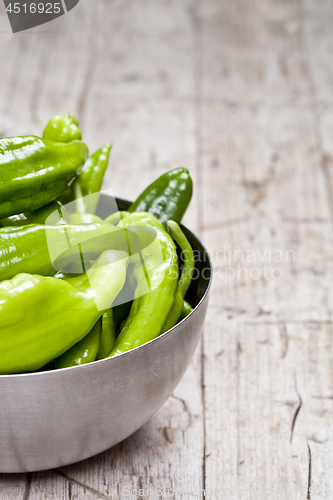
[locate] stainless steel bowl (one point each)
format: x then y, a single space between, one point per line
55 418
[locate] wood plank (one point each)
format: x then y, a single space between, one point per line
240 93
257 216
14 486
251 52
248 446
264 186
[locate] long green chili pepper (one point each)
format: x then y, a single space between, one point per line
187 309
43 250
62 128
30 340
36 171
108 336
38 216
186 253
175 312
152 308
167 198
88 184
185 279
84 351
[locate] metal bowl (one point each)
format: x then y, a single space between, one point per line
55 418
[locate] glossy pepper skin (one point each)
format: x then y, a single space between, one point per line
186 253
38 216
27 249
34 172
149 312
89 182
42 317
116 217
187 309
84 351
175 312
167 198
62 128
108 334
186 277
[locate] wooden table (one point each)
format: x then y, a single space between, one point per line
240 92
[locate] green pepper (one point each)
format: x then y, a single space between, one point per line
150 310
88 184
167 198
186 254
34 172
84 351
43 250
108 336
43 317
116 217
95 345
38 216
175 312
186 277
187 309
62 128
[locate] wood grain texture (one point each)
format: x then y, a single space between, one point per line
240 93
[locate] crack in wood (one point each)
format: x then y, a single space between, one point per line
297 409
185 407
308 496
99 494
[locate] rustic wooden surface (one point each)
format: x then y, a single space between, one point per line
241 93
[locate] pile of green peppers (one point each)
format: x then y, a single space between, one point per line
39 177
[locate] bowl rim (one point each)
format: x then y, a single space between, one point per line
56 371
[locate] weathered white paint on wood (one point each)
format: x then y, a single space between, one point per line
241 94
